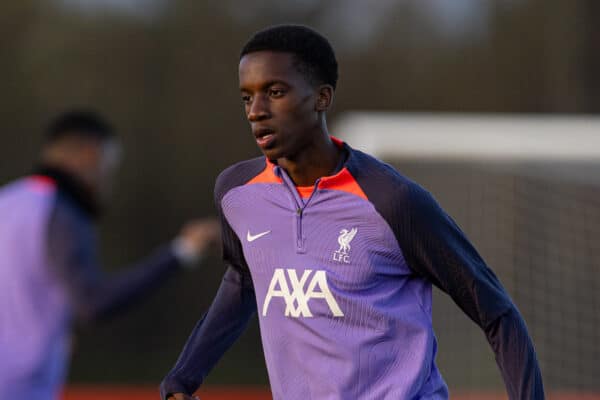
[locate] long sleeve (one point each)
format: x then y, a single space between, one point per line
72 256
436 249
226 318
213 335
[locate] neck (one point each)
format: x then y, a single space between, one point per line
318 159
72 186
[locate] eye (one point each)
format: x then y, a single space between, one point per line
276 92
246 99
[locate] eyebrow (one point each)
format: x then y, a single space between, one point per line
269 84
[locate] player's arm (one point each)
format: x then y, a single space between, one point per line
232 307
219 328
72 256
436 248
213 335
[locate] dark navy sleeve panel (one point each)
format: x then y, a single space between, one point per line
233 305
236 175
72 255
515 356
213 335
436 249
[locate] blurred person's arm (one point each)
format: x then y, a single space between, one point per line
72 256
436 248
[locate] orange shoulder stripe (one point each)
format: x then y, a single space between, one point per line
343 181
266 176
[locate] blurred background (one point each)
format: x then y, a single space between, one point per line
165 72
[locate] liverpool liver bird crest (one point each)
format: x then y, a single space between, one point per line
345 238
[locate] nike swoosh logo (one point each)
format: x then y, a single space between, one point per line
252 238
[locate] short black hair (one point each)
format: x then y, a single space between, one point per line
81 123
314 54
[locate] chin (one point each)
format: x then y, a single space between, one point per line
273 154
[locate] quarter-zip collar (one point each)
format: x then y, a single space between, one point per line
300 204
338 177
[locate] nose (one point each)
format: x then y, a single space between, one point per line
258 109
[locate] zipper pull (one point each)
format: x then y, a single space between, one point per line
299 212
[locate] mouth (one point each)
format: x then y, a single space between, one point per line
264 137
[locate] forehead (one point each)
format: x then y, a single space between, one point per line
263 67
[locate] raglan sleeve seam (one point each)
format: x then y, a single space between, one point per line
458 269
422 216
228 247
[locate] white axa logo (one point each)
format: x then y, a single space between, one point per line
296 300
344 240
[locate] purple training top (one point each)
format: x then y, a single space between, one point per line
49 276
340 276
34 311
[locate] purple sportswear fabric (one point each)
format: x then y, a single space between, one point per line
50 278
342 285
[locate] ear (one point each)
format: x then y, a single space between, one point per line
324 98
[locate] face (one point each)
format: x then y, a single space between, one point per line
108 163
96 162
281 104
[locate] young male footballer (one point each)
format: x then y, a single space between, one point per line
337 252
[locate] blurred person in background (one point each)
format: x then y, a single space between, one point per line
338 253
49 269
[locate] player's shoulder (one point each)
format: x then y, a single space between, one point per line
381 182
28 187
397 198
238 174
